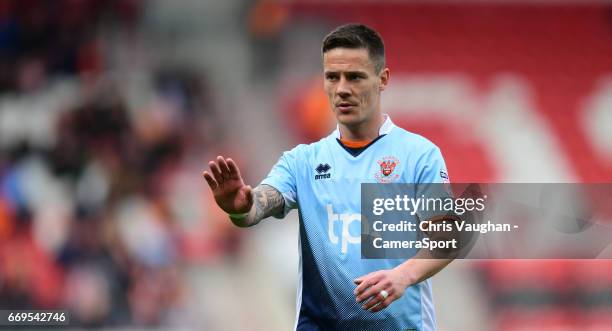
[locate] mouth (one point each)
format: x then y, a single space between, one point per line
345 107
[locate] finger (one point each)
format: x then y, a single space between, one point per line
234 171
225 171
216 172
370 292
384 304
374 300
360 280
210 180
367 281
363 286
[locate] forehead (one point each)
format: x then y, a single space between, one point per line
347 59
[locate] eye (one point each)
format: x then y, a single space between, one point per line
331 77
355 77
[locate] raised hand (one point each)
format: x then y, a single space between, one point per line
228 188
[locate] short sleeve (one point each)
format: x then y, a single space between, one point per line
283 178
430 179
431 168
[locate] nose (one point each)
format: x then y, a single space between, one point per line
343 90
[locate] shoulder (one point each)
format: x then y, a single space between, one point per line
304 151
423 157
413 142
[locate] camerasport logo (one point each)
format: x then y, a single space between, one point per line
386 172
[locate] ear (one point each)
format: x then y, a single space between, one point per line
384 78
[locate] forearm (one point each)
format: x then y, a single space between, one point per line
427 263
267 201
420 268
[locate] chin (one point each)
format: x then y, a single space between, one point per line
348 119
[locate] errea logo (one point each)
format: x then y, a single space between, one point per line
322 171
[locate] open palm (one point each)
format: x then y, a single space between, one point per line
228 188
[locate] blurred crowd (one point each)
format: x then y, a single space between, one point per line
39 39
100 218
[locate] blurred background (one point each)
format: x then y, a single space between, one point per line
110 110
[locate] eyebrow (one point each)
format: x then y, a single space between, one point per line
360 72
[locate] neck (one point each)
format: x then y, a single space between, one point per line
366 131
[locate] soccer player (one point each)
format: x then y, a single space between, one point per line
339 290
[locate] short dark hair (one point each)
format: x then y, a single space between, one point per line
357 36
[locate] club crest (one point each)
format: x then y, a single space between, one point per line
386 174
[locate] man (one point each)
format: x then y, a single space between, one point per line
339 290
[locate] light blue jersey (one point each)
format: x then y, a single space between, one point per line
323 181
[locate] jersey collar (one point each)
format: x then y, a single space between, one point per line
385 128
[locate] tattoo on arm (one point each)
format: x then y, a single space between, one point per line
268 201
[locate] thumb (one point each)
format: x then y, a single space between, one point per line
248 191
